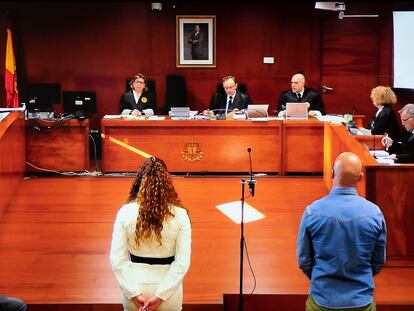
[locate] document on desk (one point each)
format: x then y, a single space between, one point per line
259 119
379 153
360 131
385 161
156 118
382 156
112 116
333 119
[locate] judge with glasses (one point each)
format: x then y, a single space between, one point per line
138 99
231 100
402 151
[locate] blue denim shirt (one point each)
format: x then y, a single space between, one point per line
341 245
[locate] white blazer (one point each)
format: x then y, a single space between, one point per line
176 241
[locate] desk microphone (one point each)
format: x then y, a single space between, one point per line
251 182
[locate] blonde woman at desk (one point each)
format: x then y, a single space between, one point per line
385 121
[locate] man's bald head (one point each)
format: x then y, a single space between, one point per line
347 170
297 83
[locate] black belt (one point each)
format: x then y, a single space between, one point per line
152 260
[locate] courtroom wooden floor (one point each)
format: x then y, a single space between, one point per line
55 238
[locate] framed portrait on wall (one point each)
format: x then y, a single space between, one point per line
196 40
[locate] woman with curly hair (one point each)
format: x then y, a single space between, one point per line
151 242
385 121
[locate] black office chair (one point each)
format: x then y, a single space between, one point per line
176 94
150 86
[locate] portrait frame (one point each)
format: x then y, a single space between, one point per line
203 52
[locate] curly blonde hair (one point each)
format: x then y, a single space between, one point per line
383 95
154 191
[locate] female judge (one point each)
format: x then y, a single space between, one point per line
138 98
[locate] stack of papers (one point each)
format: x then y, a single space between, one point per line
332 119
123 116
379 153
382 156
360 131
112 116
385 161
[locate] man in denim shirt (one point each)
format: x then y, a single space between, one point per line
341 243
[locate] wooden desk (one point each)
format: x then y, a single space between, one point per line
288 146
302 146
372 142
192 146
57 147
388 186
11 157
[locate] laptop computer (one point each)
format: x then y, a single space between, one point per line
257 112
297 110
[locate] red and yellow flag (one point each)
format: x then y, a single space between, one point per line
10 75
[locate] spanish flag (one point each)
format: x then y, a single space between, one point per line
10 75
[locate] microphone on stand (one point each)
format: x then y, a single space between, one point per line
251 182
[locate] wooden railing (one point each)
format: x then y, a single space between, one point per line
12 157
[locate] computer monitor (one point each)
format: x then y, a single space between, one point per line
80 103
42 96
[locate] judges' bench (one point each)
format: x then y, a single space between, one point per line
278 146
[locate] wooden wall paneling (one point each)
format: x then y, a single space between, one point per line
350 64
350 55
138 39
385 51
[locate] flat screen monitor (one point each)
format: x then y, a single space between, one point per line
80 103
42 96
